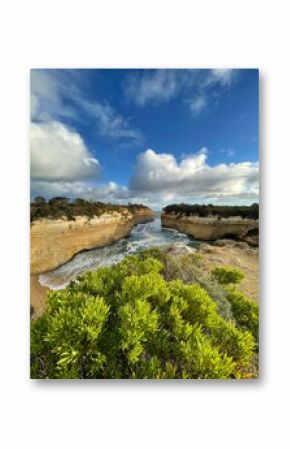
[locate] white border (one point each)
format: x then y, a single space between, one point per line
144 34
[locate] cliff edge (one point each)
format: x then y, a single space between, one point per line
55 241
213 228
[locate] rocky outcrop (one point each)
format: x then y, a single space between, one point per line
213 228
54 242
238 255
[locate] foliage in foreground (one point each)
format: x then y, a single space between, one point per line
128 321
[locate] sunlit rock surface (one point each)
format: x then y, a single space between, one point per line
54 242
212 228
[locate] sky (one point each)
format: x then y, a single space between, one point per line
155 137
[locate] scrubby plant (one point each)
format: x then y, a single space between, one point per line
206 210
245 311
59 207
188 269
227 275
128 321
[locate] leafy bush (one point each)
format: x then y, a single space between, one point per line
245 311
227 275
127 321
188 269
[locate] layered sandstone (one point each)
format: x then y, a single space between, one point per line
213 228
54 242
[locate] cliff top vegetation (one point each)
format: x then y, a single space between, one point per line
59 207
206 210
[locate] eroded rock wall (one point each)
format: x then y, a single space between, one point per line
212 228
54 242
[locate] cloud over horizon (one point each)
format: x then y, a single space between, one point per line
192 177
58 153
158 178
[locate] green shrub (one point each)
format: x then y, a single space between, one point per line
205 210
188 269
127 321
245 310
227 275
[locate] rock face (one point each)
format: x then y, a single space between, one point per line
54 242
212 228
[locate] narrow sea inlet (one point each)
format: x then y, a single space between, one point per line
142 236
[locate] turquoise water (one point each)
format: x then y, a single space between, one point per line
142 236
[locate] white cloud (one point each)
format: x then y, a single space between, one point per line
59 154
109 192
160 175
152 86
161 85
47 93
228 151
198 104
224 77
160 179
59 94
110 123
43 93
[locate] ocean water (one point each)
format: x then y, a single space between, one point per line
142 236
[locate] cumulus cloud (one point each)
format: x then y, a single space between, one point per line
160 179
161 85
193 178
59 154
108 192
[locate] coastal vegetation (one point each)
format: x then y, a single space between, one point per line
150 316
206 210
62 207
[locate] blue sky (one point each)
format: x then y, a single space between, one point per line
151 136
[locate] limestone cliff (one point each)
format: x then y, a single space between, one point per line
213 228
54 242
